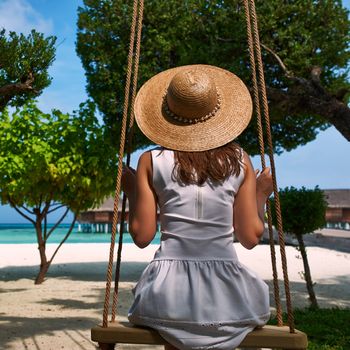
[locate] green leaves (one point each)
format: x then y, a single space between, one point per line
24 64
56 157
303 210
303 33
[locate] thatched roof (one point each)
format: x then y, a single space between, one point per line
108 205
339 198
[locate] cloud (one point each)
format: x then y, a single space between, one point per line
21 17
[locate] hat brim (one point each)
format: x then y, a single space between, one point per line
228 122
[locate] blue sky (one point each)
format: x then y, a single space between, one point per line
323 162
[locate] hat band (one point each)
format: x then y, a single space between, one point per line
193 120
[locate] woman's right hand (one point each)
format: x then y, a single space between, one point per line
128 182
264 184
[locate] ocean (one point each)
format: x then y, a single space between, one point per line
25 233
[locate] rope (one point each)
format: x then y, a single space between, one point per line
262 90
276 288
120 167
262 156
258 87
129 149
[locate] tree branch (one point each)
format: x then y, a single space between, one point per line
52 210
304 99
53 204
225 40
47 204
57 223
316 73
45 228
287 73
46 208
19 212
27 210
40 202
65 238
19 88
308 95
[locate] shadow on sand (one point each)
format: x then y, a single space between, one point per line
17 328
95 271
330 293
77 328
20 328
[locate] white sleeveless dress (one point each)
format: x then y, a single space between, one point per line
195 292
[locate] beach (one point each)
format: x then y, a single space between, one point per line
59 313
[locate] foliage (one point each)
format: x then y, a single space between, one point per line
303 210
213 32
24 64
49 161
326 328
53 158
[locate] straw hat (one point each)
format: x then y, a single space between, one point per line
193 108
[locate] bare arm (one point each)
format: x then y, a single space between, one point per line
142 201
248 210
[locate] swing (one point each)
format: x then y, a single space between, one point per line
114 332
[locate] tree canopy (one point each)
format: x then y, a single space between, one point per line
54 158
303 211
305 52
50 161
24 63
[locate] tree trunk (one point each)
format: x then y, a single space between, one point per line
42 238
42 272
44 264
309 283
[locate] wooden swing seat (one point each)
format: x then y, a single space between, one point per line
266 337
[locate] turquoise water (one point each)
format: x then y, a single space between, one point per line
25 233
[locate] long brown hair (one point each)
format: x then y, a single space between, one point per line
216 164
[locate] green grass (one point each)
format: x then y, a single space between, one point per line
327 329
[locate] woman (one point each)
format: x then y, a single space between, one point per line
195 292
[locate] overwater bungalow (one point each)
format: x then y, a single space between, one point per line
100 219
338 209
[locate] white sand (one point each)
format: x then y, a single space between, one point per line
59 313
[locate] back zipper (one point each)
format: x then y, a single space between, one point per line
199 202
